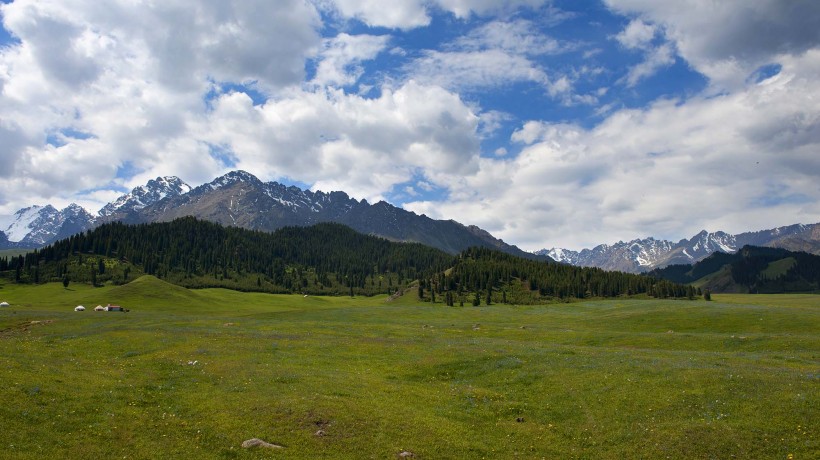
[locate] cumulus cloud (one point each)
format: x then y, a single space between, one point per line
637 34
401 14
97 97
728 40
341 57
734 162
133 78
339 141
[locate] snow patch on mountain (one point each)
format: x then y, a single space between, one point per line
146 195
23 222
39 225
566 256
232 178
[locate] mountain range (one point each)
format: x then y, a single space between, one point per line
642 255
240 199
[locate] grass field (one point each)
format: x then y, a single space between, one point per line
192 374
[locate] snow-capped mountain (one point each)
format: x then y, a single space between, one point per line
36 226
22 221
240 199
145 195
566 256
622 256
645 254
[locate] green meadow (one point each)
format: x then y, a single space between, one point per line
194 373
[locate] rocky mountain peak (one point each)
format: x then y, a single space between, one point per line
36 226
234 177
146 195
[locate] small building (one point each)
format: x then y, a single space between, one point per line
99 308
4 304
110 307
79 308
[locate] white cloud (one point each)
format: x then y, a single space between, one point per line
341 56
338 141
492 121
637 35
475 69
520 37
654 60
399 14
728 40
496 54
465 8
133 77
734 162
151 88
409 14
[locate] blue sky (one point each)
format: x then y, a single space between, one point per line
547 123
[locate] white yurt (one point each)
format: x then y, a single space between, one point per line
99 308
4 304
79 308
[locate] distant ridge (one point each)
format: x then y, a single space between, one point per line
642 255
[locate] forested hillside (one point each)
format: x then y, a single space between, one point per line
752 269
322 259
482 276
328 259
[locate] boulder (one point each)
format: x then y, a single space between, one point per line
256 442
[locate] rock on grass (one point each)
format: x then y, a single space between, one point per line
256 442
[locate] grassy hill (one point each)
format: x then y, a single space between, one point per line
192 374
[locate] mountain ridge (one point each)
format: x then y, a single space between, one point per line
239 198
646 254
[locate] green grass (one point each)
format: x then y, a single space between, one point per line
778 268
735 377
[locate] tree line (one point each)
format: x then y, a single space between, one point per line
323 259
326 258
485 276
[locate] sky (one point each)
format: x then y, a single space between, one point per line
548 123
